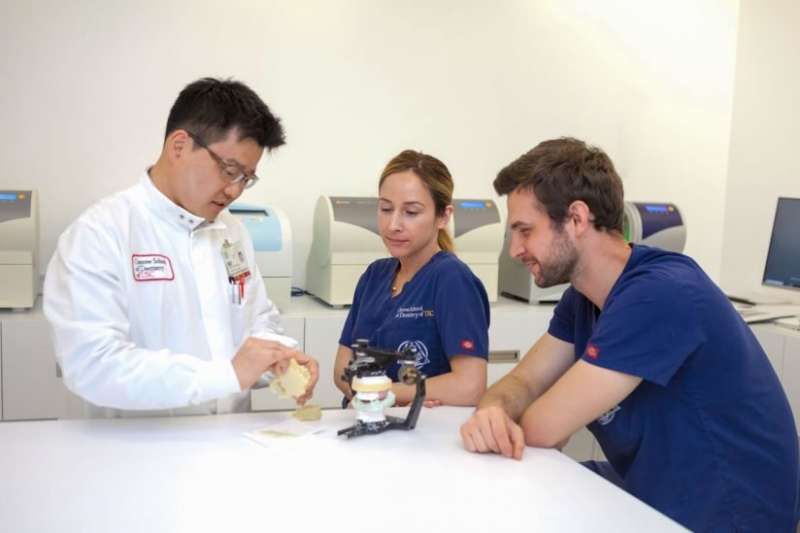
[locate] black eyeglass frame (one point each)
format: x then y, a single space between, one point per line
240 176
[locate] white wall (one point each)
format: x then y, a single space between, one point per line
764 161
87 86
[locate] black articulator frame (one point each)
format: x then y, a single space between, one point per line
369 361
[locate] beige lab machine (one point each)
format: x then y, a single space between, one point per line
345 241
478 239
19 248
654 224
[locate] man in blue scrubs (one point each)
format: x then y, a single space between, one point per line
643 349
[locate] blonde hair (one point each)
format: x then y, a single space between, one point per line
436 178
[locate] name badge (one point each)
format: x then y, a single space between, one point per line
235 260
238 271
152 267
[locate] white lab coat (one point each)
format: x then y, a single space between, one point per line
131 338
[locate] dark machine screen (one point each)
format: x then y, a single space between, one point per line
783 259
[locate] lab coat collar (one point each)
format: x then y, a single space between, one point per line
172 213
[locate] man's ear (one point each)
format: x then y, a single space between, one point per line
580 216
177 144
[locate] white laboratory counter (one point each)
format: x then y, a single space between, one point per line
200 474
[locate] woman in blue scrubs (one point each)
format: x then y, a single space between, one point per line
423 295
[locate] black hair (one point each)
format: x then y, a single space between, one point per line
210 108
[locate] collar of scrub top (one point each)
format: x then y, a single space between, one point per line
172 213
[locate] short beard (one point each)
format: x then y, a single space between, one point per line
561 266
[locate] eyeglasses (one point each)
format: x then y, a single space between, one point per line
233 173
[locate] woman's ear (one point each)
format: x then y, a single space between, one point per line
444 219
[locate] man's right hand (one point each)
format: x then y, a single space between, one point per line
256 356
490 429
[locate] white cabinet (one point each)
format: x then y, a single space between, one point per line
783 350
791 374
322 341
772 341
1 371
31 386
514 328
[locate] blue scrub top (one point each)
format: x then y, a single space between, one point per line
443 311
708 437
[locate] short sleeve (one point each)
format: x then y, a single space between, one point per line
462 313
562 325
648 330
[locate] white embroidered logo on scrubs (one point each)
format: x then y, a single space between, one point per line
422 352
413 311
608 416
152 267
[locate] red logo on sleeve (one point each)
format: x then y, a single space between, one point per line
592 351
468 345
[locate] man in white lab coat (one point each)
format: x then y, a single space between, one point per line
153 294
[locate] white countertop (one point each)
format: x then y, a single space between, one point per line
201 474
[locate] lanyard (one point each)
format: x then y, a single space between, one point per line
237 268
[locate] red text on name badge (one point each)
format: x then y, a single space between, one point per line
152 267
